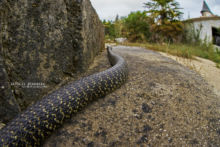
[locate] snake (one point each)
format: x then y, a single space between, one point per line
37 122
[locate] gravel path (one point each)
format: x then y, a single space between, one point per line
206 68
162 104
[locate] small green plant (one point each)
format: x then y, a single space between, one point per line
191 34
218 65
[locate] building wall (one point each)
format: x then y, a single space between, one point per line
206 29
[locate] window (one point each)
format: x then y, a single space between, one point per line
216 36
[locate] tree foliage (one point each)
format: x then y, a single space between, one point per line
168 32
159 23
163 10
166 17
113 29
137 26
109 29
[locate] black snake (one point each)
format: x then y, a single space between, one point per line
40 120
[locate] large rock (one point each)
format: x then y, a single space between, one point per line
44 41
8 103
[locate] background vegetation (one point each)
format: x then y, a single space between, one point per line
160 28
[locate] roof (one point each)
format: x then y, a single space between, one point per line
203 19
205 8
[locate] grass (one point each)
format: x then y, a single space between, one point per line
184 50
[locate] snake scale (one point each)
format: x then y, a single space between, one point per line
33 126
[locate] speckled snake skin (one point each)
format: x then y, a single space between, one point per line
40 120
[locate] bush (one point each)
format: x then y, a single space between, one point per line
137 26
167 32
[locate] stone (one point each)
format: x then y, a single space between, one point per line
44 42
9 107
146 108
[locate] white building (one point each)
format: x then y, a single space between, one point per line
208 25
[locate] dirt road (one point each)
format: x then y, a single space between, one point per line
162 103
206 68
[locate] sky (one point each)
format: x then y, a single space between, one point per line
108 9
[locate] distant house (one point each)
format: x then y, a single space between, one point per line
208 25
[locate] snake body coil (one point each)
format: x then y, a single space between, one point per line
40 120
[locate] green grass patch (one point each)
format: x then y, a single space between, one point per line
183 50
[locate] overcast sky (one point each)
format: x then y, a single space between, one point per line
108 9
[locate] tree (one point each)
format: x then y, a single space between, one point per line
164 10
137 26
116 18
118 26
168 32
109 29
113 29
166 17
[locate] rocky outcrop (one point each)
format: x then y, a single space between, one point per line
45 41
8 103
